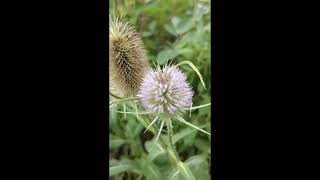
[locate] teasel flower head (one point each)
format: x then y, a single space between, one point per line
127 58
165 91
166 94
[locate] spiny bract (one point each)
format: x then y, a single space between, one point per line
128 60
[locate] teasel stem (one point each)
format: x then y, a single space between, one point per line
171 150
173 154
170 135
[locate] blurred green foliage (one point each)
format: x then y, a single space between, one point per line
175 30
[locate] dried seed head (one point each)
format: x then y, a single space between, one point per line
128 60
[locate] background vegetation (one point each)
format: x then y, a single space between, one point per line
170 29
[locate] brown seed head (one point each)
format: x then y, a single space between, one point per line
128 60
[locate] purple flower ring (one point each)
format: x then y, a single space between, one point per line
165 91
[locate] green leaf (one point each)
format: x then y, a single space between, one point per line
170 29
157 150
184 27
113 162
203 145
181 134
174 175
195 160
146 34
132 130
188 142
187 52
175 21
184 41
207 27
199 11
116 142
195 69
166 55
123 166
199 167
152 26
185 171
150 170
137 130
181 26
120 168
